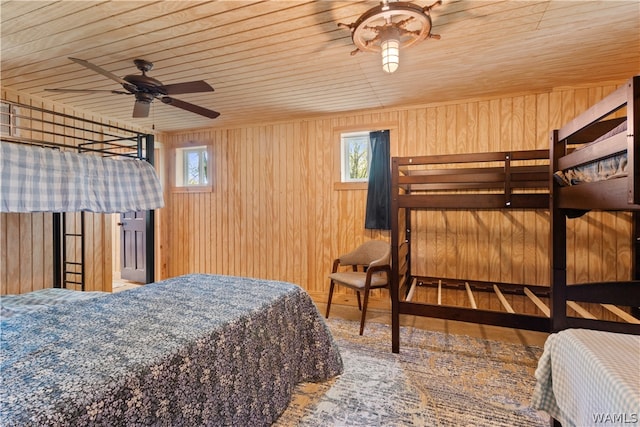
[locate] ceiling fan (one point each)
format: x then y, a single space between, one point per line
146 89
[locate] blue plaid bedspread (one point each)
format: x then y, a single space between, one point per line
36 179
192 350
589 378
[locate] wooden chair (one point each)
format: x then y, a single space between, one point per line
374 259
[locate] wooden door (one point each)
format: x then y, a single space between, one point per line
133 246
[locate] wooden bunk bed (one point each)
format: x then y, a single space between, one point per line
483 181
487 181
605 134
32 127
589 373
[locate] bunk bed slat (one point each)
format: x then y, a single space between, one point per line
503 300
472 299
621 313
581 310
538 302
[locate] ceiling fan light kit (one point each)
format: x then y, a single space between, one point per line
389 27
145 89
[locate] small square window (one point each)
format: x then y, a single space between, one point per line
355 156
192 166
9 125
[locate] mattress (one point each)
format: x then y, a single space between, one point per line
37 179
191 350
600 170
589 377
15 305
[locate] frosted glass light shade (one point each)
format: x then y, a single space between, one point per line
390 55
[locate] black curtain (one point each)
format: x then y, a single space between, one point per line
378 215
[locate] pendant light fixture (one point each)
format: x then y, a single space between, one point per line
389 27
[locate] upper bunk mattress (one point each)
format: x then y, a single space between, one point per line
600 170
37 179
192 350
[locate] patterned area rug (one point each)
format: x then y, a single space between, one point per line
437 379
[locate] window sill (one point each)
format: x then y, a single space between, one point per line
342 186
193 189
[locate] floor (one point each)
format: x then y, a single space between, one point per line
382 316
119 285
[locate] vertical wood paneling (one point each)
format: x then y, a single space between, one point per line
274 212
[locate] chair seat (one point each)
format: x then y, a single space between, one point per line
356 279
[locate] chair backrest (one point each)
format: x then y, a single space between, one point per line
377 252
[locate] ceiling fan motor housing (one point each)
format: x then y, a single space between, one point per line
144 84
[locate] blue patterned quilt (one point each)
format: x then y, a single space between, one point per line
192 350
16 305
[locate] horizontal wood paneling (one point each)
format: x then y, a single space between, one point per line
274 211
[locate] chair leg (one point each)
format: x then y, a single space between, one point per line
364 310
359 303
329 301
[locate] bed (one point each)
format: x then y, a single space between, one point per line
583 379
19 304
190 350
465 182
66 167
602 136
589 372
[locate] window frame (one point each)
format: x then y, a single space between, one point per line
178 170
9 121
338 185
345 152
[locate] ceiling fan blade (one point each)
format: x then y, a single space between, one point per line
141 109
99 70
119 92
187 87
190 107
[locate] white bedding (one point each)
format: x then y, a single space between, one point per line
589 378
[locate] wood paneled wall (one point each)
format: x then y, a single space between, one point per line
276 212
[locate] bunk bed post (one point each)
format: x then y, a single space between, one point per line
57 250
635 255
149 218
557 243
633 139
395 285
633 152
82 254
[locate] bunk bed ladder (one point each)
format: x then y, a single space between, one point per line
72 267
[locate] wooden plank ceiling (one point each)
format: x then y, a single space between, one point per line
277 60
